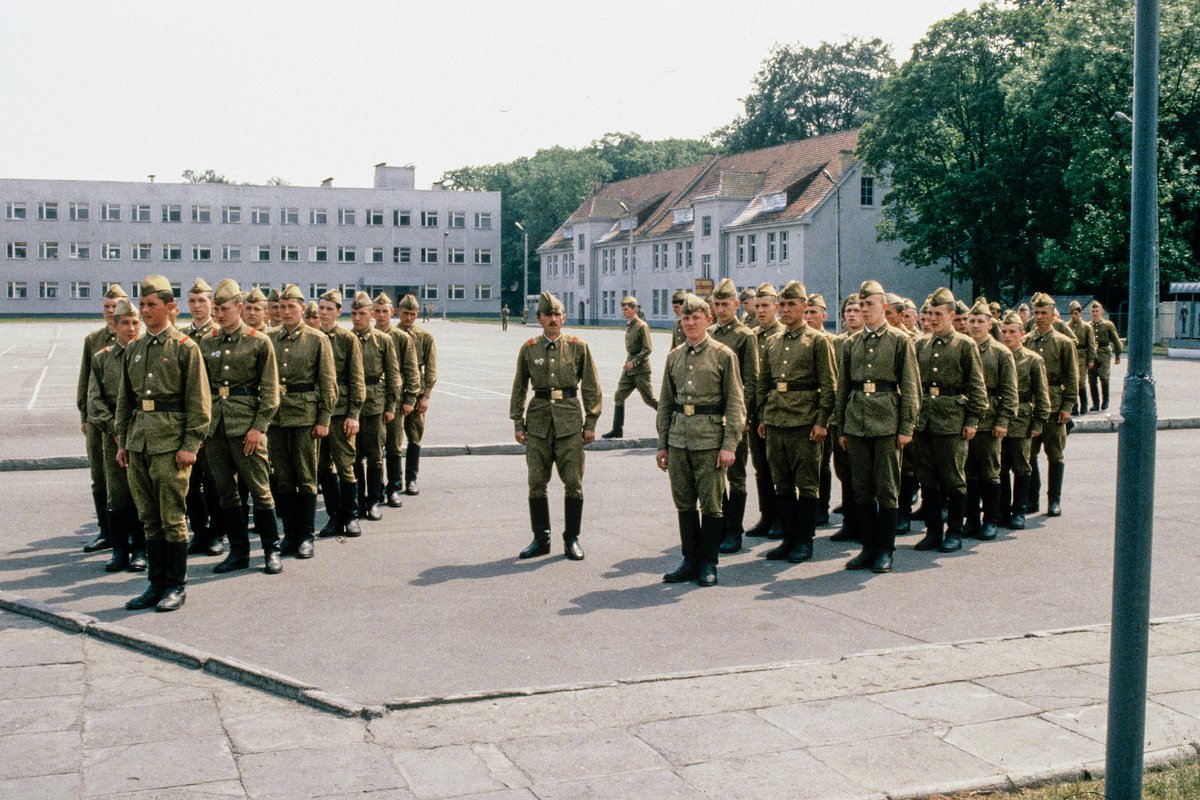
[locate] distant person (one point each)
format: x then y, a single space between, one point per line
524 317
504 317
414 423
1062 375
1085 352
635 373
1108 347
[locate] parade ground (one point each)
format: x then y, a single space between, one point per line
424 660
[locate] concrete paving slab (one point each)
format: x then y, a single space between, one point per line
23 648
657 784
43 787
953 704
843 719
1184 702
571 757
31 755
1025 745
152 722
176 763
1173 673
446 772
258 724
1165 728
696 739
790 775
503 794
42 681
315 772
39 715
214 790
1050 689
900 764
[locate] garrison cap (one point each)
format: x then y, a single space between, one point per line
815 299
725 290
273 295
200 285
1023 306
942 297
869 288
549 304
155 283
960 308
850 299
228 289
1074 306
1096 304
1041 300
256 296
408 303
678 297
629 300
310 309
994 307
908 303
747 294
290 291
980 299
124 308
893 299
766 290
114 292
333 296
693 303
793 290
382 299
981 308
1012 318
361 300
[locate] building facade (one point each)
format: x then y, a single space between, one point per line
66 241
804 210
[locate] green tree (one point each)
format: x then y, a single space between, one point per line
207 176
800 92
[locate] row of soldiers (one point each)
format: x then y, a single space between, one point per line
248 406
945 398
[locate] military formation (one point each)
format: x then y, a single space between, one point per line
241 419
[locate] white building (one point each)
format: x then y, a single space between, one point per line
65 241
803 210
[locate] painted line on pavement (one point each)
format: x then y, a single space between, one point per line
37 387
471 388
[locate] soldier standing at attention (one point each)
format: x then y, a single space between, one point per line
728 331
635 374
504 317
851 530
335 465
875 410
1108 345
1033 407
274 317
307 394
254 310
163 412
701 418
311 317
244 385
677 337
202 493
410 379
1085 351
983 452
554 426
125 532
909 317
954 402
766 307
815 314
93 343
381 371
749 317
1062 378
414 423
796 385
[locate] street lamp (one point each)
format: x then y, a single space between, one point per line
525 269
837 319
632 225
446 261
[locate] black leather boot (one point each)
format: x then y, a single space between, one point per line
305 511
119 538
197 516
364 500
1034 495
395 478
348 507
331 492
807 514
825 489
285 510
971 524
374 493
233 523
618 424
908 485
1094 386
137 539
101 542
689 535
1104 395
787 509
1004 506
268 533
766 505
1083 400
574 521
849 512
708 546
991 500
956 505
175 574
1020 492
412 465
735 512
156 587
1054 489
539 523
885 540
931 504
867 521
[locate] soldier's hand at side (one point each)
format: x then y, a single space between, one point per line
1118 361
660 458
320 431
388 416
520 437
999 433
628 366
843 442
251 442
1064 417
818 433
725 459
122 457
184 459
902 441
969 433
423 405
589 437
762 430
406 409
83 427
350 426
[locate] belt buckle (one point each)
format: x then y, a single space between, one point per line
283 388
556 394
223 391
689 410
147 405
868 387
934 391
781 386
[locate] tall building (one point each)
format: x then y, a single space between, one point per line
65 241
804 210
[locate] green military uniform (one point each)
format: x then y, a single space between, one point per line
504 317
93 343
796 386
701 412
244 384
163 408
1062 378
307 394
747 316
414 423
983 451
677 337
841 461
202 492
878 396
381 371
553 424
410 380
335 464
1108 346
637 354
1033 408
815 300
763 483
1085 352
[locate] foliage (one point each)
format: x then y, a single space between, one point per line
207 176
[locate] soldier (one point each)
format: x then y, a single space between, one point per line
796 385
983 451
894 313
909 316
815 314
163 412
1085 352
274 318
635 374
504 317
335 465
958 317
766 307
381 371
1026 315
1033 408
254 310
311 316
1062 377
125 532
701 418
1108 346
93 343
410 378
414 423
742 341
554 426
677 337
202 493
953 404
524 317
749 299
244 385
851 530
875 411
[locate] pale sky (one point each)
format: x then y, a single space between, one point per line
307 90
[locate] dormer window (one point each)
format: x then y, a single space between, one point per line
628 223
683 216
568 233
776 201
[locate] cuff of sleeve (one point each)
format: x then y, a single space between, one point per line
906 430
324 420
261 424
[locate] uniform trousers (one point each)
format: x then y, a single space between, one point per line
876 472
635 380
372 434
116 479
983 457
337 452
565 453
795 460
737 470
293 454
940 461
95 456
394 439
1053 440
695 477
231 468
414 427
1014 455
159 490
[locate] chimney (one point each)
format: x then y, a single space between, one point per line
597 186
327 182
394 177
845 160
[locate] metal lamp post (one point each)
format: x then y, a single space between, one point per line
837 191
525 268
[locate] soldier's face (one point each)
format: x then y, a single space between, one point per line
677 308
200 305
551 323
274 312
110 307
815 317
1097 313
979 326
958 322
751 305
853 316
872 310
228 315
725 308
128 329
360 318
1043 317
910 318
695 325
291 312
1012 335
254 313
327 313
791 311
628 312
1076 315
941 319
892 316
1023 313
155 313
383 317
408 317
766 308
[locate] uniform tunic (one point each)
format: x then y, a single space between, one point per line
1085 348
1062 378
637 351
1033 407
954 396
1000 376
426 352
410 386
677 337
758 444
381 371
337 449
1108 344
742 341
93 343
305 361
107 370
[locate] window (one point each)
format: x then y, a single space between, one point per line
318 254
80 251
866 191
456 291
201 214
48 250
679 255
172 252
345 216
579 241
16 249
81 290
140 252
80 212
429 255
172 214
456 255
287 253
289 216
111 252
141 213
752 248
706 265
177 289
231 252
318 216
48 290
231 215
17 290
402 219
624 259
483 220
771 250
201 252
262 252
402 255
603 262
706 226
260 215
741 250
347 254
110 212
374 255
429 219
15 211
687 254
457 219
783 245
656 302
633 259
48 212
483 291
429 291
483 255
315 290
374 216
135 289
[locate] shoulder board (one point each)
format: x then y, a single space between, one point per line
183 337
573 339
253 331
717 345
107 349
532 341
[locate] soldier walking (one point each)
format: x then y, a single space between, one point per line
1085 351
1062 378
635 373
1108 346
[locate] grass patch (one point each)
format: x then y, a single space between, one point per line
1180 781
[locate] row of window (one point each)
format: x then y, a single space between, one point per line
317 254
746 248
258 215
82 290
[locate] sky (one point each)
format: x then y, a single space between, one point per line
308 90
